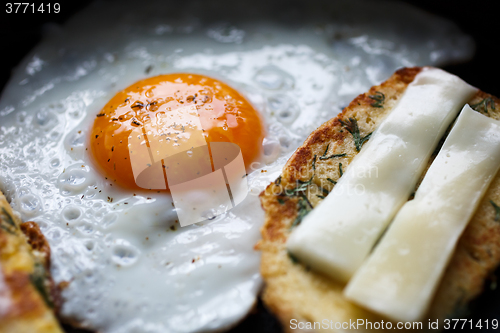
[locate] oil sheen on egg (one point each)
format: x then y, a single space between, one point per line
129 265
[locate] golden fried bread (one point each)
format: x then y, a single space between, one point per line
27 294
291 290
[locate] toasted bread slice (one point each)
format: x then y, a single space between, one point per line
26 291
293 292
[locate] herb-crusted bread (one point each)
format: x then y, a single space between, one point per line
27 294
292 291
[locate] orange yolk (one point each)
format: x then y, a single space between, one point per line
224 114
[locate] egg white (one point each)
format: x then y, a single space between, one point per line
129 266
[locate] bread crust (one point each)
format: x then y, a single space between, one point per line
292 291
26 299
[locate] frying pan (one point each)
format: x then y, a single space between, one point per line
20 33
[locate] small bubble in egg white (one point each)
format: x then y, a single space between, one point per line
22 191
54 135
75 107
53 234
89 275
74 143
47 190
124 254
272 150
20 166
22 118
74 179
273 78
30 152
58 108
30 204
85 228
42 141
42 224
97 205
71 214
44 118
285 142
283 107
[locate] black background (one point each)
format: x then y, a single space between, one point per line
19 33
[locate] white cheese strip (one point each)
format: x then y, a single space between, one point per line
338 234
399 279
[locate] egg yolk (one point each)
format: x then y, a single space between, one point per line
224 114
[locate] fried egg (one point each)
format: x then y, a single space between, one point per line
126 263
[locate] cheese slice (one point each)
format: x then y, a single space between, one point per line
336 236
400 277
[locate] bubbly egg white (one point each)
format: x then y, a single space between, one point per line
129 266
